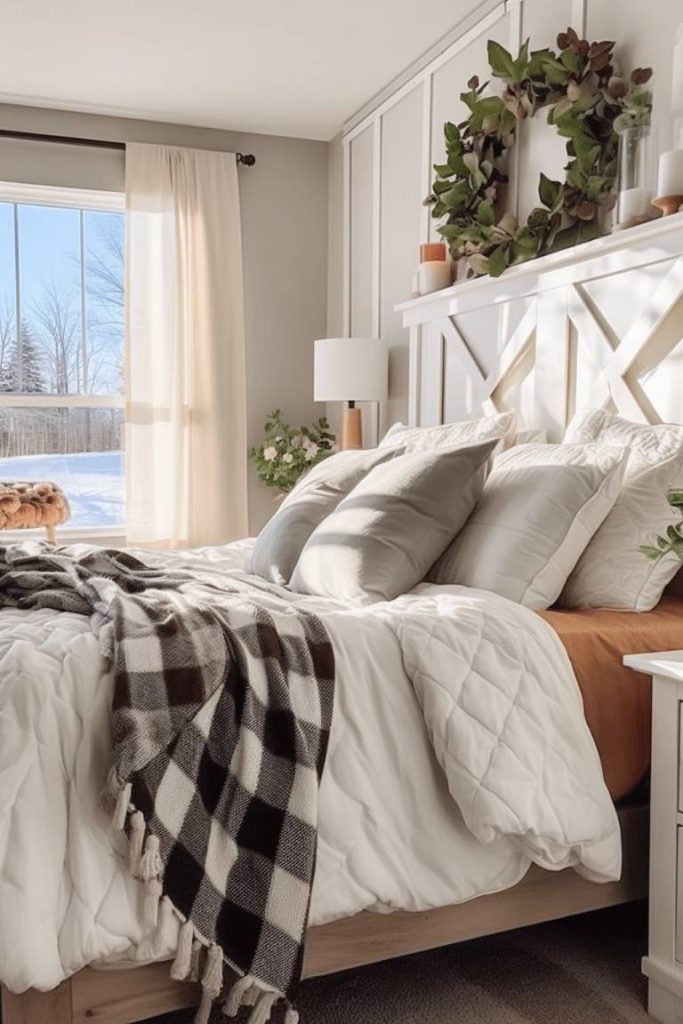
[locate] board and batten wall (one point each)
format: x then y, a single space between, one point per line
381 164
284 205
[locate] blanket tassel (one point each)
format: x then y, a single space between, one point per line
237 994
150 862
122 805
212 983
183 958
150 903
161 936
261 1012
136 839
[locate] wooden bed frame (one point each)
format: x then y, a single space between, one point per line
125 995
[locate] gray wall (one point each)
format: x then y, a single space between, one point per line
284 201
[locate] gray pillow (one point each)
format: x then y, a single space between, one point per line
381 539
281 540
540 508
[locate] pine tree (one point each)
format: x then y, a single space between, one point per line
8 368
32 379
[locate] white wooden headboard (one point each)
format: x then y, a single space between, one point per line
597 326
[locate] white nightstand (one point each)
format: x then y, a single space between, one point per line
664 963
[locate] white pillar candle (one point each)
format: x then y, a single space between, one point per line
633 202
434 274
670 179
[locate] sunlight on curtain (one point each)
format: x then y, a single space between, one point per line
186 380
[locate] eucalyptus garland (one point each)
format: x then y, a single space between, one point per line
587 102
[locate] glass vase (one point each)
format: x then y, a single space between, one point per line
638 152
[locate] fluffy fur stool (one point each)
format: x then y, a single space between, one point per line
24 506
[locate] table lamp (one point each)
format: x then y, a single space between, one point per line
351 370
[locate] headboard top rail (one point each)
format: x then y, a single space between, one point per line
599 325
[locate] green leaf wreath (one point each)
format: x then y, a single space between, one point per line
672 544
286 453
587 102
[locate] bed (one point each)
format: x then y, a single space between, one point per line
76 930
78 904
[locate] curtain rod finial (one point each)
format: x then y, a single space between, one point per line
248 159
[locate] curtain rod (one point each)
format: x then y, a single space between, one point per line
248 159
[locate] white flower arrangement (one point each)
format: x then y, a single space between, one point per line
286 453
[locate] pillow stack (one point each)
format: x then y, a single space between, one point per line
367 525
544 522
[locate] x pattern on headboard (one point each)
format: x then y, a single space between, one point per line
598 326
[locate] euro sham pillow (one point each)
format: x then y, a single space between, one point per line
612 572
281 540
451 435
539 509
383 537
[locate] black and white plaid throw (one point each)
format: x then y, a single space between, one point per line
223 696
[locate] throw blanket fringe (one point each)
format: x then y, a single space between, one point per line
192 947
223 696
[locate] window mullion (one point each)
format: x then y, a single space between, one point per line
84 340
17 286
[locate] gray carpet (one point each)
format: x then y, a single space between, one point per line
583 970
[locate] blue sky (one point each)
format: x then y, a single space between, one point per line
49 257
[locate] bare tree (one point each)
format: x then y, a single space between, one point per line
105 272
56 324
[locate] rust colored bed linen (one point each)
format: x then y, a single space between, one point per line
618 701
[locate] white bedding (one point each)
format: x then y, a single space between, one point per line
459 753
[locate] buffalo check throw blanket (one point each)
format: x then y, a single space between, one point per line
222 707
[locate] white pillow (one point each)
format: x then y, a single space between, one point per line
612 573
451 435
540 507
383 537
318 493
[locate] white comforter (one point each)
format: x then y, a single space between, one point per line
459 754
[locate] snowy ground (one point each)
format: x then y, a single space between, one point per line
92 481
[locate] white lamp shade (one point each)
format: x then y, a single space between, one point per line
350 369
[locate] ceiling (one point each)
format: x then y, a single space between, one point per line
283 67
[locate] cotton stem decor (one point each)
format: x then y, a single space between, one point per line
587 102
186 412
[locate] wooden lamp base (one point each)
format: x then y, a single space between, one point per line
352 429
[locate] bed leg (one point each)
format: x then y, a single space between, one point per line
33 1007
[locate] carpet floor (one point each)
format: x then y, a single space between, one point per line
582 970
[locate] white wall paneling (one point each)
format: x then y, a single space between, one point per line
388 159
402 176
553 345
388 156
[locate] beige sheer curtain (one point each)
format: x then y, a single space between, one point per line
185 351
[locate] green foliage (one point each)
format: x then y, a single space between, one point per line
672 544
286 453
586 102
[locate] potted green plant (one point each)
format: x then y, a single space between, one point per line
672 544
286 452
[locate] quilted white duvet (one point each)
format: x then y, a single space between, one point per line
459 754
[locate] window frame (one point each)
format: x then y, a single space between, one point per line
79 199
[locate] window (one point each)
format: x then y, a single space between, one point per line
61 347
